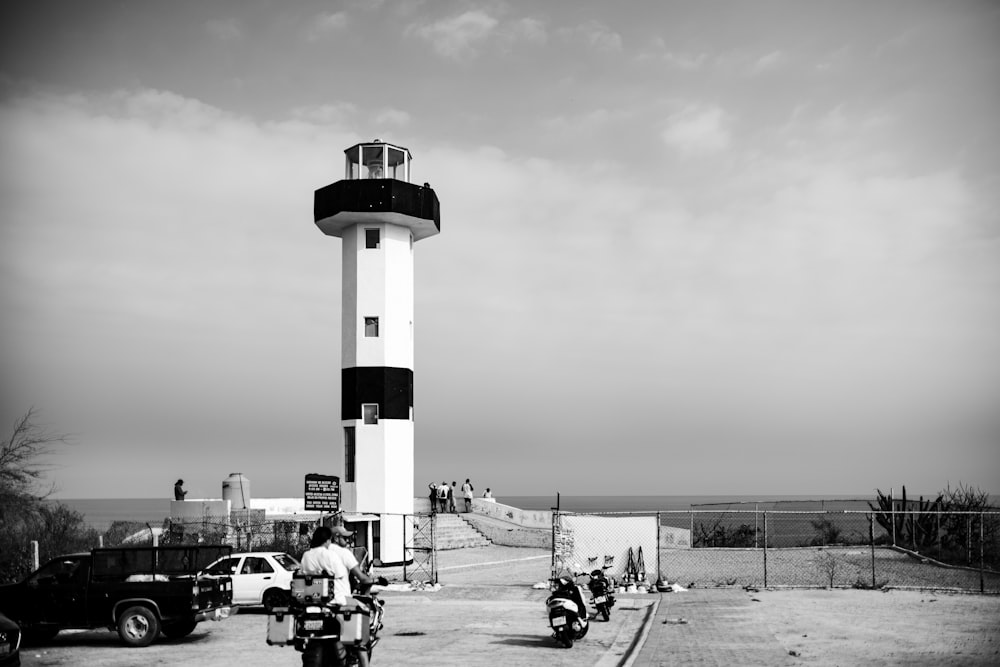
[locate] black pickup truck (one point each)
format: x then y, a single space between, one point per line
138 591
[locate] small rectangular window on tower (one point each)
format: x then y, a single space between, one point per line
372 238
370 412
371 327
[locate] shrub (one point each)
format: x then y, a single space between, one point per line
827 532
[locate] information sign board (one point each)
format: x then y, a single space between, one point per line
322 493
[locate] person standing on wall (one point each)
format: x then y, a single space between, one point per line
467 490
443 496
433 496
179 491
451 498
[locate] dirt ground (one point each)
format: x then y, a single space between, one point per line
872 628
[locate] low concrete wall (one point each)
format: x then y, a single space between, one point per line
509 534
503 524
421 505
199 508
524 518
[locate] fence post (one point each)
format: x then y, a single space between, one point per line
871 541
982 562
968 538
34 555
756 529
765 549
892 508
659 548
552 567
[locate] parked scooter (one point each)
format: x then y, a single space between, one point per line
567 611
601 588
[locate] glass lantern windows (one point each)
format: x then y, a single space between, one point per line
396 165
373 161
377 160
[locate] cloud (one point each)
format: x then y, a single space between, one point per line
325 24
698 130
527 29
226 30
338 114
769 61
393 117
835 60
595 120
458 36
659 51
172 250
175 295
595 34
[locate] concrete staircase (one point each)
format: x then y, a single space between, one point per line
451 531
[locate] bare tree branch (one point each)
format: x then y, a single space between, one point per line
23 457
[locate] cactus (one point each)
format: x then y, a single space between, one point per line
915 528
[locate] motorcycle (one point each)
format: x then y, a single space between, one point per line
327 633
567 611
359 648
601 588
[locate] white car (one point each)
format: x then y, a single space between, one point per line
260 577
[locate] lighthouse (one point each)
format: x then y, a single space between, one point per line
378 215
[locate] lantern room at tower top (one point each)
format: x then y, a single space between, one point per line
377 160
377 186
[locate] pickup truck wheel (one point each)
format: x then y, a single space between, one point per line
138 626
178 629
274 597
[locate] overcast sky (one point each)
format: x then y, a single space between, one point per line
686 247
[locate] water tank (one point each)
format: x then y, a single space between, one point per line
236 489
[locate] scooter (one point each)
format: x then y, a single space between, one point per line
601 588
567 611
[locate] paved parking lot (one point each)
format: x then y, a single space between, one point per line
469 626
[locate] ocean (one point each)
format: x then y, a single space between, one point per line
102 512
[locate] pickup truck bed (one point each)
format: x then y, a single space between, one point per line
138 591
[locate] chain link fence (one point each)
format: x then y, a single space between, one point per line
61 532
775 548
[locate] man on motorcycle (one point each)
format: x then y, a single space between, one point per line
321 560
340 547
362 581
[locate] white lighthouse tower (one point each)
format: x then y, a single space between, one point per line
378 214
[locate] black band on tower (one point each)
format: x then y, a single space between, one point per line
391 388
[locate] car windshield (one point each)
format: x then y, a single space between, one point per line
287 562
225 566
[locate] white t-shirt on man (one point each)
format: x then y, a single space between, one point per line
345 556
322 560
